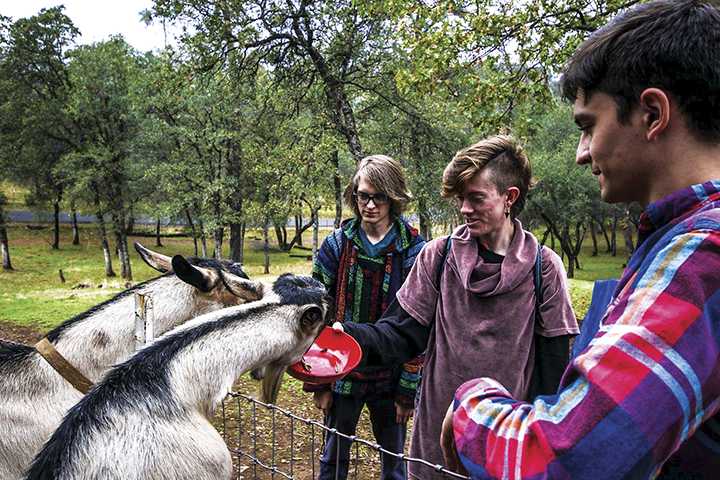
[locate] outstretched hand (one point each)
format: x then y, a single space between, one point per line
323 400
402 413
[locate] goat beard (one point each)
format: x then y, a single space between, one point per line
271 382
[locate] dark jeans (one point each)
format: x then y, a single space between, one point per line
344 415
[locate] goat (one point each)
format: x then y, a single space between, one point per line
149 417
35 397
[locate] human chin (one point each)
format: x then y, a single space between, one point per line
476 228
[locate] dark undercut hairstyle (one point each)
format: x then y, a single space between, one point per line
502 156
673 45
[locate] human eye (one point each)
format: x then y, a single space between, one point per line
380 198
362 196
584 125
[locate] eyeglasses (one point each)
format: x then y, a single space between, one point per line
377 198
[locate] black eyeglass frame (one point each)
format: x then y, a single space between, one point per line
377 198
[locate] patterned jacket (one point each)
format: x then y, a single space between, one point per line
642 399
363 286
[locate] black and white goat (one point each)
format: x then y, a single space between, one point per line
35 397
149 417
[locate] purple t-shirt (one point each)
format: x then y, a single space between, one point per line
484 324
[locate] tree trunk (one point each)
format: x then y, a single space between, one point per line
56 225
130 223
75 230
567 250
628 237
126 257
316 233
424 220
203 238
613 236
4 244
218 235
109 272
342 115
158 242
604 230
192 230
579 237
121 244
237 240
337 186
593 235
266 246
281 234
545 236
298 231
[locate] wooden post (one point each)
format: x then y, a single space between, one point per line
144 323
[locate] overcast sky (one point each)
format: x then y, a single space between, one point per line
98 19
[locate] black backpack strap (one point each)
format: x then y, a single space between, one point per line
537 281
441 267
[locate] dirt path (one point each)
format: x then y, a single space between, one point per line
19 334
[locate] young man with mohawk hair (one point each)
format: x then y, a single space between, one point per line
642 400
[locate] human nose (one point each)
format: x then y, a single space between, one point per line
371 199
466 207
582 155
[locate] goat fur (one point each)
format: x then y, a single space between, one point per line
35 397
149 418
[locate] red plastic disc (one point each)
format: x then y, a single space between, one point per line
332 356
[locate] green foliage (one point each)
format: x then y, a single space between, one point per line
34 129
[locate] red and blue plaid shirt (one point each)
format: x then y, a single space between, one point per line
645 390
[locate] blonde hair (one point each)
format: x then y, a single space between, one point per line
506 161
387 176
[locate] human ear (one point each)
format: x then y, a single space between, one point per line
512 194
655 108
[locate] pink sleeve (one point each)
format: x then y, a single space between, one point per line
556 310
418 295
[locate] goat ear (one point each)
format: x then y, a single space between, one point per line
197 277
247 290
158 261
310 316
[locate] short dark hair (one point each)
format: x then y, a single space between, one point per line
502 156
673 45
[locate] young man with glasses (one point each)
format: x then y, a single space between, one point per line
363 264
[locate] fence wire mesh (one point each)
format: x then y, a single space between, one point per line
269 442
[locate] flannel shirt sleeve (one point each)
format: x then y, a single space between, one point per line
645 384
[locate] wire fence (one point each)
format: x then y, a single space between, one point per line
269 442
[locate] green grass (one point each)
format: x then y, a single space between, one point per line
601 267
33 294
15 196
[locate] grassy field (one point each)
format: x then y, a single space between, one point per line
33 295
15 196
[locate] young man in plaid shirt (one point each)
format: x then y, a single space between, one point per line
642 400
